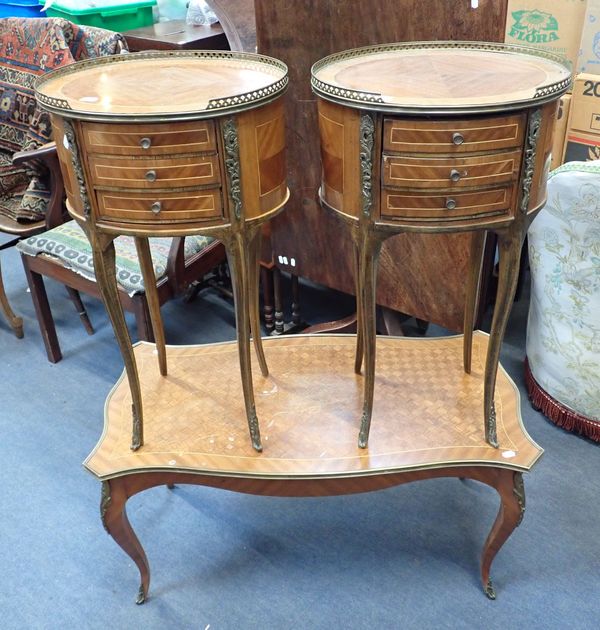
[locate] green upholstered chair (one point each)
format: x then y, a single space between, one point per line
64 253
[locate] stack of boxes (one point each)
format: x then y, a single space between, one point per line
570 28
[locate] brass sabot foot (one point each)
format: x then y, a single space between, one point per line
253 426
363 435
141 596
489 590
491 434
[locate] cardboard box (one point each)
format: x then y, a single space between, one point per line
581 147
589 59
583 133
553 25
560 131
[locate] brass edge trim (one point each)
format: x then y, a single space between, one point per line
230 104
374 472
375 102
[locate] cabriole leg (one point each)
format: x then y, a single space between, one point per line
115 521
104 267
237 257
512 509
509 248
369 254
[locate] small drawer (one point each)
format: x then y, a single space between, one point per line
198 205
453 172
450 206
452 136
199 170
150 140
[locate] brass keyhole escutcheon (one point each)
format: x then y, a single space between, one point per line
458 138
145 143
156 207
150 176
450 204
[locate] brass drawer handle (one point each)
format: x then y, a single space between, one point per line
145 143
458 138
450 204
156 207
150 176
456 175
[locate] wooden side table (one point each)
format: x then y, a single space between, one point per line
429 428
173 144
437 137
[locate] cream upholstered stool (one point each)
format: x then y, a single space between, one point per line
563 332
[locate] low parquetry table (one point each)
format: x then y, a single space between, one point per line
173 144
437 137
428 426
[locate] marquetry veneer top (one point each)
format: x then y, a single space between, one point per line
440 76
427 412
162 85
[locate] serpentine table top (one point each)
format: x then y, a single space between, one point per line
427 412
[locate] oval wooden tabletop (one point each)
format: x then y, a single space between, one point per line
150 85
428 413
441 76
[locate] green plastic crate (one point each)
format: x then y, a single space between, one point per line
120 17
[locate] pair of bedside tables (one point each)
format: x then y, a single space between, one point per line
428 137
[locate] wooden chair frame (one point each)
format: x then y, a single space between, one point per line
179 274
55 215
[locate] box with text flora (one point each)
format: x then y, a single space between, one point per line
552 25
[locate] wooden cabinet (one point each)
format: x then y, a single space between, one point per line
407 147
421 274
151 145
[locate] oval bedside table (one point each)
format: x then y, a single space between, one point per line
173 144
437 137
